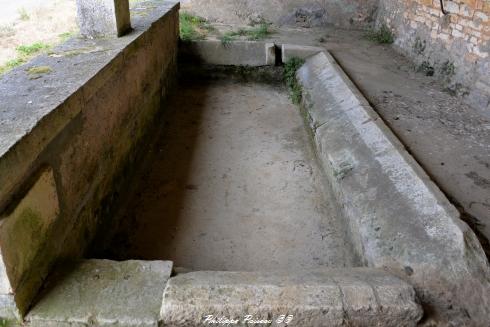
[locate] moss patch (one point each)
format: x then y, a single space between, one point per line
290 69
256 33
39 70
382 35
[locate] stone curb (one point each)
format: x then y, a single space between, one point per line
397 217
321 297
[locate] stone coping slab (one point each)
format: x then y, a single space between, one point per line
103 293
321 297
236 53
40 98
30 95
398 218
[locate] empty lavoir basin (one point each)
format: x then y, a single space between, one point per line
233 194
233 185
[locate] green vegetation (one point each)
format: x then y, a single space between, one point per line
290 69
419 46
25 53
193 27
254 34
11 64
382 35
426 68
65 36
28 50
23 15
448 69
6 31
258 33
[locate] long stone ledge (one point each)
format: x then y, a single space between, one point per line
398 218
321 297
81 113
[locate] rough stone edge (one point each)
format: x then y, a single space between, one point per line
317 297
470 280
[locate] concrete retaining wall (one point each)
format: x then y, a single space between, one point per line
398 218
71 125
346 13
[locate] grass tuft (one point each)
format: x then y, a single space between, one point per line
25 53
258 33
382 35
193 27
28 50
65 36
253 34
23 15
290 69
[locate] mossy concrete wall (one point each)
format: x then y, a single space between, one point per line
71 134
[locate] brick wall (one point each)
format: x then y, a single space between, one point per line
454 46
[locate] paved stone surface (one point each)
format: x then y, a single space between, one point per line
354 297
298 51
103 293
398 218
235 53
101 18
233 185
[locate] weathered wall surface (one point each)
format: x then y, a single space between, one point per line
71 125
456 45
342 13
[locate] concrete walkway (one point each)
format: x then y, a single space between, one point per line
234 185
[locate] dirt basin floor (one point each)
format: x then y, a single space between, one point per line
233 185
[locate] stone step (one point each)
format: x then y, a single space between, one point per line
102 293
324 297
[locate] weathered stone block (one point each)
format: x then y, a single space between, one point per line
23 233
99 18
103 293
322 297
236 53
